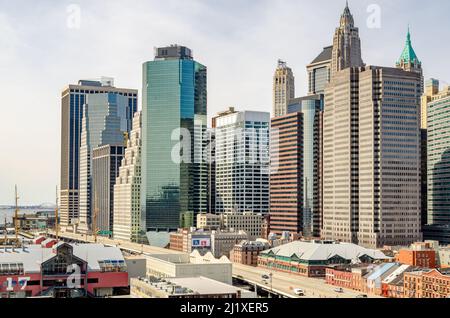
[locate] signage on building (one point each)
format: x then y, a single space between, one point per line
201 242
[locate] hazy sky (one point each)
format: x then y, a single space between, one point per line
43 48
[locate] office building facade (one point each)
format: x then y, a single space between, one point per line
372 140
439 167
106 162
105 122
312 140
73 99
286 175
242 162
389 171
319 72
174 106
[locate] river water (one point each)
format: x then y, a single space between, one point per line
9 213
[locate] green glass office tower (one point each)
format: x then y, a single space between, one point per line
174 117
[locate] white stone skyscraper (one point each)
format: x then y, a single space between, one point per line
346 44
129 224
283 88
242 162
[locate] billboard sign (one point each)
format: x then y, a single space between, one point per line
203 242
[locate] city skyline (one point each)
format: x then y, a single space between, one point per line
25 56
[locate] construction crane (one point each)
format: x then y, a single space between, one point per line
16 219
94 221
56 217
6 233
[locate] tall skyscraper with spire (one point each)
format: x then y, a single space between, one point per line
371 148
346 44
409 61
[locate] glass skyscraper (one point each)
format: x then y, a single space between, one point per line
174 119
312 109
73 98
439 168
106 121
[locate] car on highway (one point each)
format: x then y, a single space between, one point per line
339 290
361 296
299 292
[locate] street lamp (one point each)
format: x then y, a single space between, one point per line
270 276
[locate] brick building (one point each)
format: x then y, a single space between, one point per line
420 258
247 252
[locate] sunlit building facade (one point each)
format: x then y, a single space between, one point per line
173 118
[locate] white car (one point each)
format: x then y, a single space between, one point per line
338 290
299 292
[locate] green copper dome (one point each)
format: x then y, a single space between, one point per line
408 54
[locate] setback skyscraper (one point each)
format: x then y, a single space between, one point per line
128 220
346 50
173 119
72 102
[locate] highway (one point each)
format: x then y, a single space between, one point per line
285 283
129 246
282 283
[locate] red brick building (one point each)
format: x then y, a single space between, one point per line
347 277
419 258
436 284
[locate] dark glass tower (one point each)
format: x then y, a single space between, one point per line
73 99
174 170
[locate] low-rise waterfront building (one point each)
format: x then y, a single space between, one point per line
247 252
189 287
36 270
425 258
427 284
443 257
311 258
222 242
190 265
